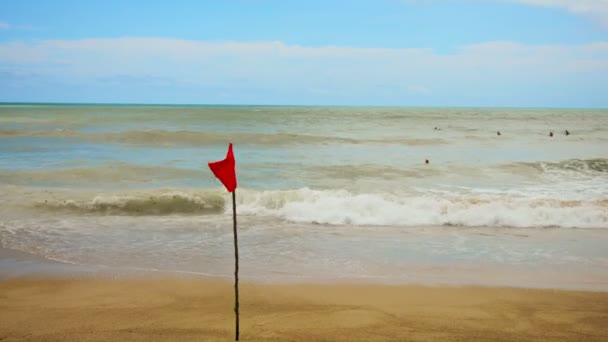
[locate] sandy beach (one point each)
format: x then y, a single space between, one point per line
112 227
62 309
366 170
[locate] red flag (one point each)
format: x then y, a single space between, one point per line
225 170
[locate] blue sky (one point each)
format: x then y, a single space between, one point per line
524 53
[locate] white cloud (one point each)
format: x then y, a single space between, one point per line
6 26
341 74
418 90
595 9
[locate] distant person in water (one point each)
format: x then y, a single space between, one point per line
437 129
551 134
498 133
426 161
567 133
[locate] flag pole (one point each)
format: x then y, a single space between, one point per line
225 171
236 266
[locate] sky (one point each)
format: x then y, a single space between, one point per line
472 53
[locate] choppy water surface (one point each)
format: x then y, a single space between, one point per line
324 192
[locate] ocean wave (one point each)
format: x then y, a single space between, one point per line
121 172
424 209
59 133
197 138
160 137
573 169
384 172
160 202
418 207
102 174
582 166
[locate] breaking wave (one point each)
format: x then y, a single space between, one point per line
343 207
570 194
582 166
568 168
334 207
152 203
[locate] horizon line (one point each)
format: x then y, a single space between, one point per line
53 103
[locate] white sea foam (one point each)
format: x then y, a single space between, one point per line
431 209
548 205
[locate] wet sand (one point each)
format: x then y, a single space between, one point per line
147 309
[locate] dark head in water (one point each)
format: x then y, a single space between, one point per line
567 133
498 133
550 134
426 161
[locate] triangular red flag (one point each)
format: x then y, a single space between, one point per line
225 170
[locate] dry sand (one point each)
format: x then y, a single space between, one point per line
201 310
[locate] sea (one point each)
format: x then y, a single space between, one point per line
325 194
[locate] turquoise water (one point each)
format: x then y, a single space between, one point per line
323 191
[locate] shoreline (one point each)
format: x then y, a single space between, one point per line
45 300
16 264
184 309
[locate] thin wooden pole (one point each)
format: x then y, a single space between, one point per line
236 266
